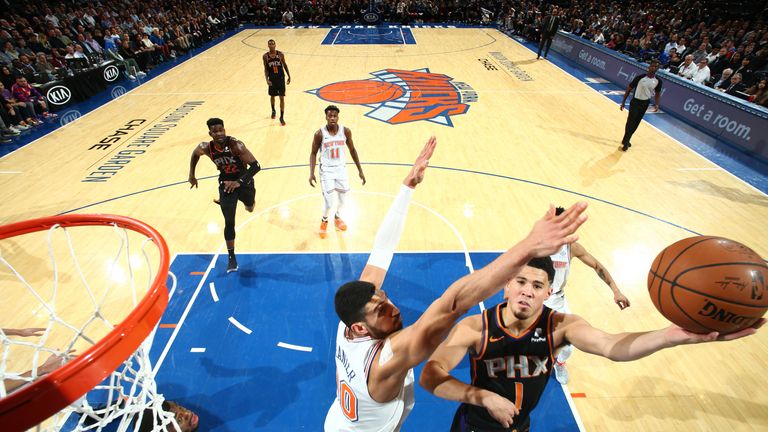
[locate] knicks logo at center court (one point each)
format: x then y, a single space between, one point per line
402 96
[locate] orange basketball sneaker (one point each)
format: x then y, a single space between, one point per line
340 225
323 229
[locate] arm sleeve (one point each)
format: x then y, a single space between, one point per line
390 230
250 172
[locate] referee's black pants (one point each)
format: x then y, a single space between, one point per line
545 41
637 108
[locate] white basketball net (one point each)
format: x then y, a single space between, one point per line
77 283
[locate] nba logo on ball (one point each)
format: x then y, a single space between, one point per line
707 284
403 96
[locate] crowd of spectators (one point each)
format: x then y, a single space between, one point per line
711 48
42 41
332 12
45 41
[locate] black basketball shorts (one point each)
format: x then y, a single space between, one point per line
277 89
245 193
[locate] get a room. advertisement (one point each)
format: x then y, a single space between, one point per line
731 119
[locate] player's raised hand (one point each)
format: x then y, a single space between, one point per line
551 232
621 300
416 175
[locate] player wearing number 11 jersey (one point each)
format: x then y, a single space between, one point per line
330 141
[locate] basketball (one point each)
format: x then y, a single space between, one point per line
361 92
705 284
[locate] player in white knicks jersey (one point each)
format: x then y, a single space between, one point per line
375 354
354 408
557 301
330 141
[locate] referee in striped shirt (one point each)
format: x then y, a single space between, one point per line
644 86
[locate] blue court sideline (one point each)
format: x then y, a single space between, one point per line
244 380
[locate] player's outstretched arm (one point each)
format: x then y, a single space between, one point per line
391 228
436 376
581 253
416 342
25 332
53 362
630 346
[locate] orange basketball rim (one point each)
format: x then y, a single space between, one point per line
46 396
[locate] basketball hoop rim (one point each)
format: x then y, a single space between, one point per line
48 395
